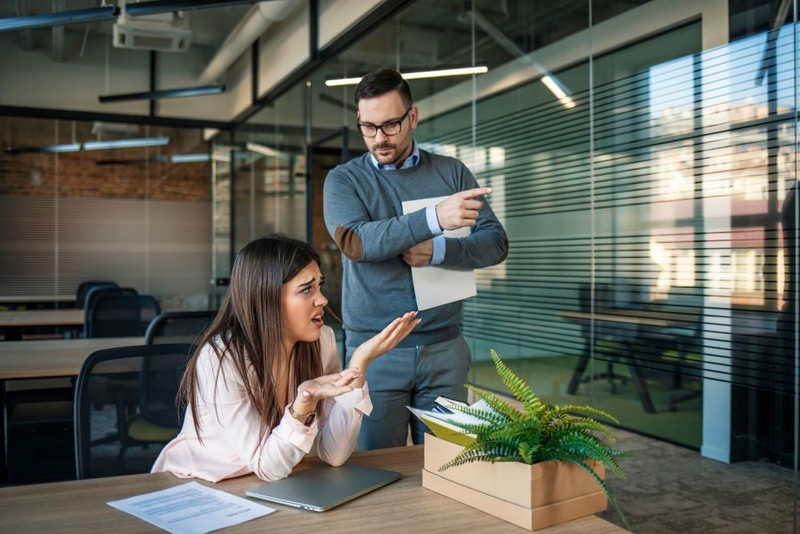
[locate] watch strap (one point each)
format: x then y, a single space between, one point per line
306 418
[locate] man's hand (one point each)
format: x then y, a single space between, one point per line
420 254
460 209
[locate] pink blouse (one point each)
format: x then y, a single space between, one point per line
229 426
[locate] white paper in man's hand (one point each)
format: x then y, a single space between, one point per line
191 508
435 285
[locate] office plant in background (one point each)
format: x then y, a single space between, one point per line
539 433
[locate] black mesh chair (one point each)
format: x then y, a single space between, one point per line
102 291
120 316
84 287
146 418
179 326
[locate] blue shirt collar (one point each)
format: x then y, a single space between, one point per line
411 161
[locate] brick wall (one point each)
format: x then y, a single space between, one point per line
83 174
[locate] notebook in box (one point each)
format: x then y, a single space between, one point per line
322 488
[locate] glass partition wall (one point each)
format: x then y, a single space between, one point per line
104 201
643 162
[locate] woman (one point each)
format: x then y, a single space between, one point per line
266 386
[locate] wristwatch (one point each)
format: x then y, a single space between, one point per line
305 418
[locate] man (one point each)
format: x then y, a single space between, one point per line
364 215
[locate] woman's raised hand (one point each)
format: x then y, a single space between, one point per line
386 340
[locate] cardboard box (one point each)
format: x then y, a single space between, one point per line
531 496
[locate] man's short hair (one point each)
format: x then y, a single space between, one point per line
382 81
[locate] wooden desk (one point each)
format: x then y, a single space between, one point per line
46 359
20 318
38 301
53 358
14 321
632 320
657 319
403 506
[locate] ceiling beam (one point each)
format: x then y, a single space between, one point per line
155 7
48 20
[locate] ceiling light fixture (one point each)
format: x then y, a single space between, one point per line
263 150
190 158
70 147
558 92
417 75
137 142
549 80
175 158
201 90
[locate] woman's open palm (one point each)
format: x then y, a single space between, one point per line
386 340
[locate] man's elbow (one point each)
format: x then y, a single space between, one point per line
349 243
504 254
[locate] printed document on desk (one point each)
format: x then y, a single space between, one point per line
191 508
435 285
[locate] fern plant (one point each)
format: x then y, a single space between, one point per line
538 433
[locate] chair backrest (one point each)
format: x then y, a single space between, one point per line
109 373
84 287
179 326
120 316
602 297
99 291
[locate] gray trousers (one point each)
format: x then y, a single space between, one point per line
410 376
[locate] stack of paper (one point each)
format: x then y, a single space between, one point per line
440 420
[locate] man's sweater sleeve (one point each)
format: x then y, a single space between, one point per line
487 243
359 237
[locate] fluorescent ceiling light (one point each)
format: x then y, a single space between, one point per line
417 75
137 142
70 147
263 150
183 92
189 158
175 158
558 92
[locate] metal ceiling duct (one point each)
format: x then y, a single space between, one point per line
77 16
250 28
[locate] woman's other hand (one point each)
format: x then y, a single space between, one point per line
312 391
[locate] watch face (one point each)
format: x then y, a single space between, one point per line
310 418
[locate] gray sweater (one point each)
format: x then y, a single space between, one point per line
364 215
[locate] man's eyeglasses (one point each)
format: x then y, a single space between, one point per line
388 128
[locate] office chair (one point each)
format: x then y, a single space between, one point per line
608 341
84 287
120 316
149 419
674 351
179 327
96 292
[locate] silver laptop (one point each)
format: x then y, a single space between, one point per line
321 488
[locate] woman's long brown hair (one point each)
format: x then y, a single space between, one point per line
249 327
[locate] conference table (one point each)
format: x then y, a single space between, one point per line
628 322
402 506
55 300
59 358
13 321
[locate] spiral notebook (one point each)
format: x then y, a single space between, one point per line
322 488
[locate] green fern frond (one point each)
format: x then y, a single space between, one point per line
588 410
495 403
519 389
